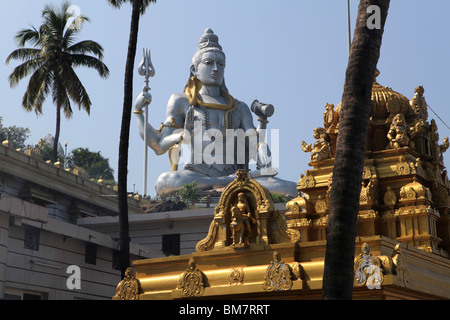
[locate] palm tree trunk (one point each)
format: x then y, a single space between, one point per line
58 129
124 141
350 149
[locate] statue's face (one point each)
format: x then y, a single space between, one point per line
211 69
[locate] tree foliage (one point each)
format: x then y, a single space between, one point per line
188 192
94 163
50 64
15 135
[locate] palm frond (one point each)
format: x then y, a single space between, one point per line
87 46
24 70
81 60
60 96
37 90
74 88
117 3
143 4
23 54
24 36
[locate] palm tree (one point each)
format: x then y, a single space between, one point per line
51 64
350 148
139 7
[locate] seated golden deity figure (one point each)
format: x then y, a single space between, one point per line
399 133
321 149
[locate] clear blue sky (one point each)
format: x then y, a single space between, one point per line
291 53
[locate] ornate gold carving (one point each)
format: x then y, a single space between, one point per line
401 270
236 276
418 103
297 271
404 168
208 242
280 232
34 152
278 275
368 269
321 148
369 193
244 183
418 167
390 199
415 210
321 222
330 119
303 222
387 102
400 134
306 181
296 206
129 287
368 214
265 225
241 221
367 172
443 147
414 190
321 205
192 282
242 177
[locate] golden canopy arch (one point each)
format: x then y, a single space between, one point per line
270 224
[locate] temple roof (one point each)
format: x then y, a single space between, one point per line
386 101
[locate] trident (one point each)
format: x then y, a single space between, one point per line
146 70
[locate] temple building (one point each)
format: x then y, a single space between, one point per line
253 250
45 254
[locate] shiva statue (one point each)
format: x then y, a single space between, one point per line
216 127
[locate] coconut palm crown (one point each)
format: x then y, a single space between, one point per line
51 62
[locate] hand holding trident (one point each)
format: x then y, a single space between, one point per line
146 70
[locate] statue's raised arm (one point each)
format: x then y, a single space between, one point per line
171 130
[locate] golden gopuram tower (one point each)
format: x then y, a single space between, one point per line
253 251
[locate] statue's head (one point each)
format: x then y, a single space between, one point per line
399 120
318 132
208 62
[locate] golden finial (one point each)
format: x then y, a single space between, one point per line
6 142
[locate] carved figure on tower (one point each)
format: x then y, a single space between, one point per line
321 148
241 221
400 134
